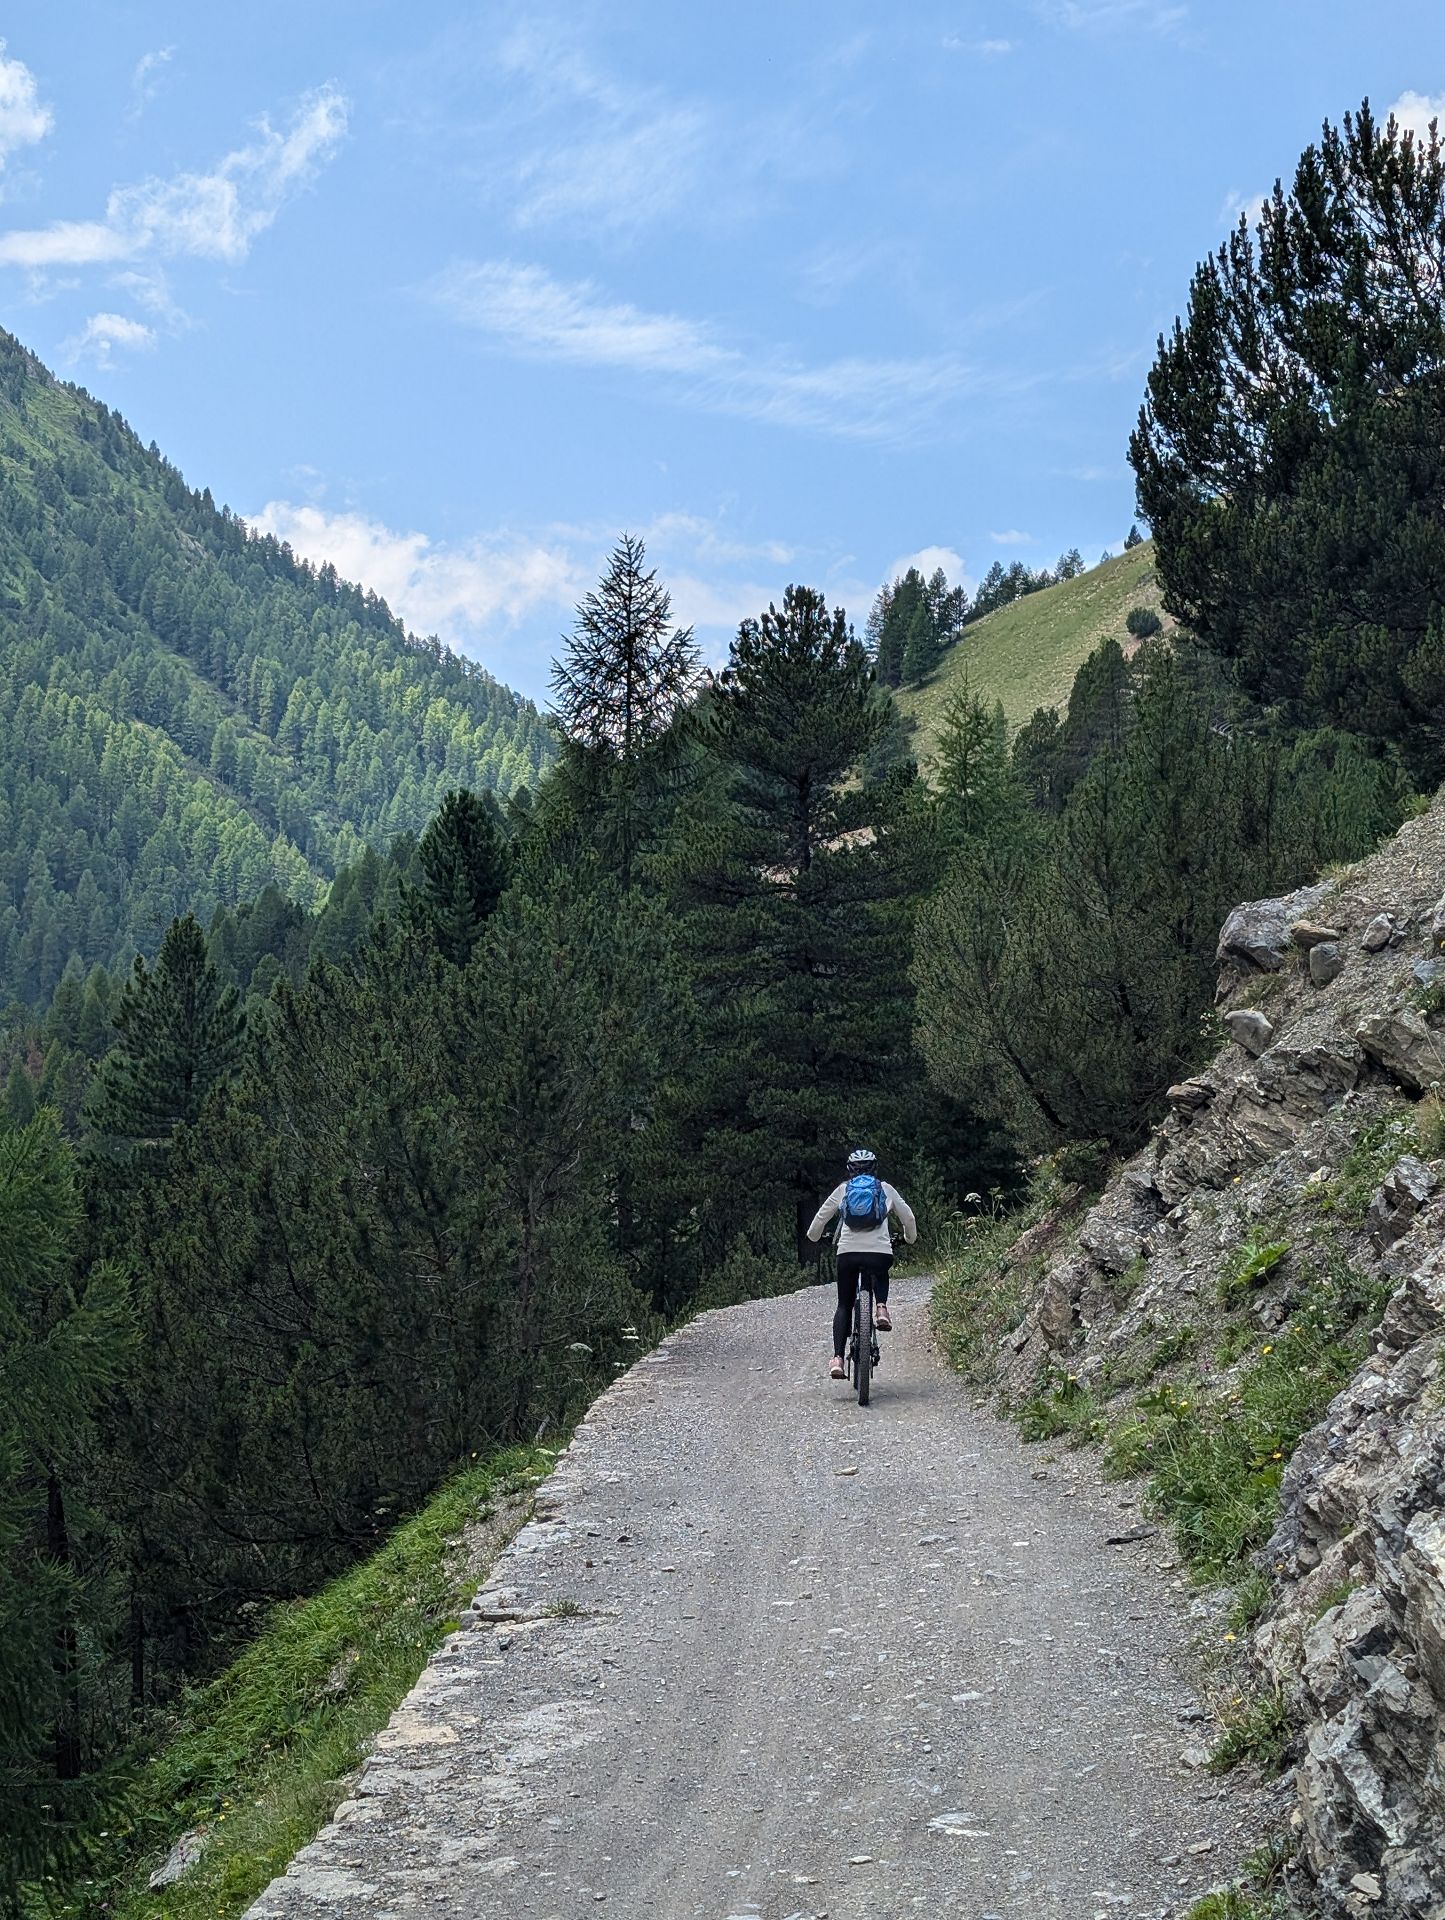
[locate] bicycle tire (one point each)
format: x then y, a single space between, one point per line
863 1344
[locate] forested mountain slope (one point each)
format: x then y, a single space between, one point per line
1027 653
188 712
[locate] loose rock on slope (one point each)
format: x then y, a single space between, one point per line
763 1652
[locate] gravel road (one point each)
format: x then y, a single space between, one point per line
763 1654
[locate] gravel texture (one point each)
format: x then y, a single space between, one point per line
762 1652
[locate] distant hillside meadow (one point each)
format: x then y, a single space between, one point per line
188 712
1026 654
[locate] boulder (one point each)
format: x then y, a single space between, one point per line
1436 926
1326 962
1258 933
1406 1049
1404 1190
1249 1028
181 1858
1378 934
1190 1095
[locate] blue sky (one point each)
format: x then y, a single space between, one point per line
453 294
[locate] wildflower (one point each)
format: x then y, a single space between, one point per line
1277 1454
1229 1636
1267 1348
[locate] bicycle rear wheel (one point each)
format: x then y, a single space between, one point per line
863 1343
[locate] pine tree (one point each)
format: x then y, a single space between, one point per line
464 863
797 924
1290 456
920 645
62 1345
179 1033
19 1096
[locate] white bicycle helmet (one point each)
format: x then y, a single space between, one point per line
861 1159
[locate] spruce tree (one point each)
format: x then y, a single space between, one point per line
464 865
179 1032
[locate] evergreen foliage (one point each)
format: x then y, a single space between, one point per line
1062 980
63 1343
1291 452
463 860
187 712
178 1034
798 926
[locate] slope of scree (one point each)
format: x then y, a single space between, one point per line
762 1652
1293 1205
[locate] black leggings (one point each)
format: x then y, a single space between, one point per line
851 1267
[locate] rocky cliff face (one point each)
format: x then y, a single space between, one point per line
1293 1202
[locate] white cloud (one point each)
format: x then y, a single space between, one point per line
68 243
461 592
145 81
215 215
1013 537
1415 111
23 119
524 309
928 560
104 332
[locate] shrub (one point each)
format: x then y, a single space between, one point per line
1143 623
1254 1262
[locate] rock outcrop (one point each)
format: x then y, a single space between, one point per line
1313 1146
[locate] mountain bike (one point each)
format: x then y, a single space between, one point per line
863 1350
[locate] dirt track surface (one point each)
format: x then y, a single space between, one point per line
772 1656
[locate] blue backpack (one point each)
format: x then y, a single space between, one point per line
865 1204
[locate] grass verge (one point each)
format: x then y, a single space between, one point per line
257 1758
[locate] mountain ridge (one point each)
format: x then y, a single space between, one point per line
189 712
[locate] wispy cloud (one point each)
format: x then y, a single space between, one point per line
103 333
216 215
1013 537
24 118
525 310
1107 16
981 49
1235 204
147 79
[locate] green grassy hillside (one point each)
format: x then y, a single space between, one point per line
1027 654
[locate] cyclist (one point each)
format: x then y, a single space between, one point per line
863 1203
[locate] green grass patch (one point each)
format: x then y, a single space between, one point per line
1061 1409
1026 654
1376 1149
1252 1265
1215 1463
980 1293
257 1758
1259 1731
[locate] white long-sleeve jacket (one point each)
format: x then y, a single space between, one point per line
865 1239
